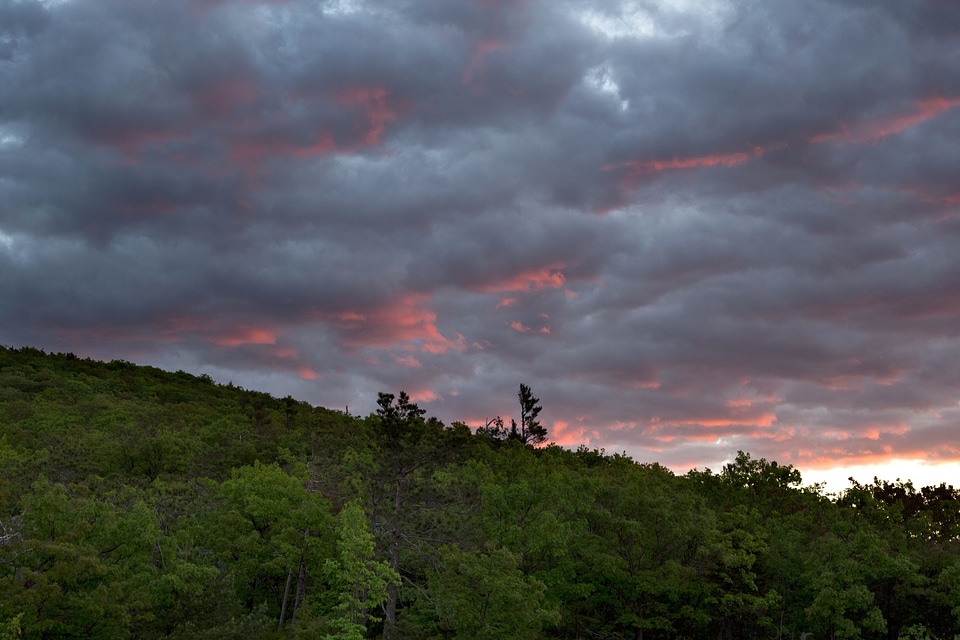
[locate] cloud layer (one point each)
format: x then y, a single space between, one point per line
691 227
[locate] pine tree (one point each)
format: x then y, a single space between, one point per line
530 430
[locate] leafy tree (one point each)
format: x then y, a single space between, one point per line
949 580
271 536
10 630
357 577
643 552
738 601
531 504
80 567
485 596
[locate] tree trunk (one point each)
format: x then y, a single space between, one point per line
286 599
301 591
393 590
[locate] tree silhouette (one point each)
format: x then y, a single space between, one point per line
530 430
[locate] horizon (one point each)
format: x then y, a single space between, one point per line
833 480
692 228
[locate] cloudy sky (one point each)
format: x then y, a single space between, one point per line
691 226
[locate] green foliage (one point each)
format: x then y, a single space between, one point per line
79 563
136 503
268 527
485 596
10 630
356 576
949 581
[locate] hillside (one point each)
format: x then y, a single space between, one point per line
137 503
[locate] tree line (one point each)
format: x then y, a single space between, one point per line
138 503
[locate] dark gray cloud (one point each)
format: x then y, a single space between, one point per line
691 227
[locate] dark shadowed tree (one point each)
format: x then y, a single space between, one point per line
530 431
412 449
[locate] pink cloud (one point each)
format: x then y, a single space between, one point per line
516 325
740 419
545 278
307 373
423 395
638 168
244 335
579 433
874 130
404 323
249 150
180 328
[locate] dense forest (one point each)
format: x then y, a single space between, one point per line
137 503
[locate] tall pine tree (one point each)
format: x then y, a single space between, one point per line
530 430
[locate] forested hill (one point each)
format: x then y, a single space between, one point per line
136 503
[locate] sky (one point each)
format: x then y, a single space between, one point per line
692 227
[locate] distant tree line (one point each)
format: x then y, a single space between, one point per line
137 503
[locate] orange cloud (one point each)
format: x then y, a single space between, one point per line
655 166
562 433
373 102
307 373
877 129
545 278
177 328
637 168
516 325
245 335
404 323
764 419
423 395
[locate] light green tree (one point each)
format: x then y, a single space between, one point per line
485 596
356 575
271 534
10 630
80 565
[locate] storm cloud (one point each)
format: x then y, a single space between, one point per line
691 227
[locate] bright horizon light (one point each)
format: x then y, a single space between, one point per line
921 473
